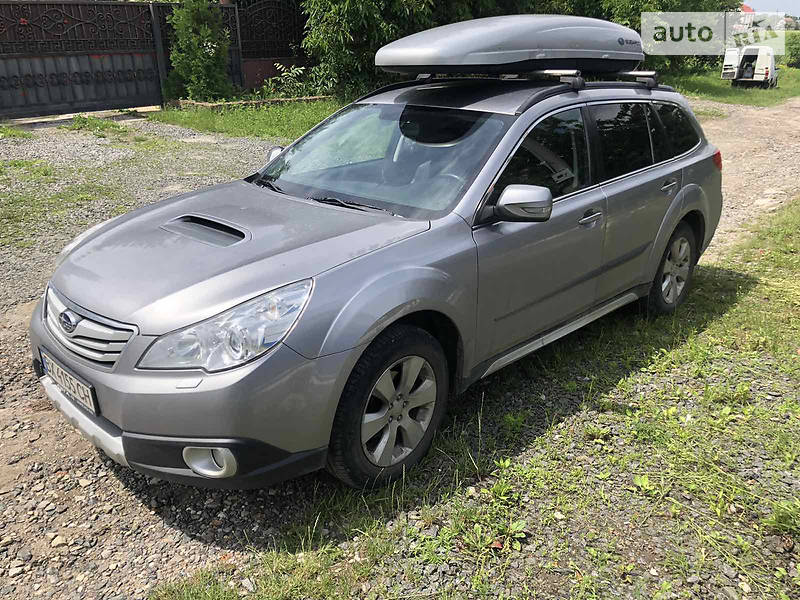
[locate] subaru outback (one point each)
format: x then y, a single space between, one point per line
323 311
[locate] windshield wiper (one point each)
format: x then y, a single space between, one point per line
267 183
334 201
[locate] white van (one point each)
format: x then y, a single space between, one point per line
751 65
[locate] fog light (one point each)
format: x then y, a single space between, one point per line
210 462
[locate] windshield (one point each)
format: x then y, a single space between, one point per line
413 161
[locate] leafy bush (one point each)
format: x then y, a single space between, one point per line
199 54
792 57
295 81
343 36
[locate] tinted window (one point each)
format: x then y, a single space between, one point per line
553 155
678 127
662 149
624 138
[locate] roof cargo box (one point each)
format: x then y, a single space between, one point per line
516 44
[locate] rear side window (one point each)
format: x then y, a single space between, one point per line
624 138
553 155
678 127
662 148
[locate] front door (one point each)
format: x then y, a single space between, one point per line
533 276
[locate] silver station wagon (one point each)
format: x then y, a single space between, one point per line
321 312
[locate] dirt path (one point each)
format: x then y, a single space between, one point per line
760 162
73 524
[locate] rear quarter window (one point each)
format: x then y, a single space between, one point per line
678 127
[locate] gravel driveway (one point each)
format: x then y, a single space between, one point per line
74 525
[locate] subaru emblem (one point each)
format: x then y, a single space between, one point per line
621 41
68 321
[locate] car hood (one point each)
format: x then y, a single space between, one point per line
188 258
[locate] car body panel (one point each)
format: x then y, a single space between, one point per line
434 271
162 280
254 401
533 276
636 208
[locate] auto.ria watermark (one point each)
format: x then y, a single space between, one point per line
711 33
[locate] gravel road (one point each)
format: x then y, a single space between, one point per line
73 524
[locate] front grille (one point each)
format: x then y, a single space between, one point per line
94 338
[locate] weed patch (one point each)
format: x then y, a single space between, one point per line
709 85
22 215
10 132
278 121
99 127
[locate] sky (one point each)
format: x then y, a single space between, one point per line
791 7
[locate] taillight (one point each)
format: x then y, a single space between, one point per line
718 159
766 72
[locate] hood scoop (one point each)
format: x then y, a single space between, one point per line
206 230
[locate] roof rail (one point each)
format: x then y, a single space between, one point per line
571 79
395 86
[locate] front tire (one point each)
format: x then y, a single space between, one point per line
674 276
390 408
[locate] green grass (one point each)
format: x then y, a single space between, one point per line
709 86
24 214
121 136
25 170
99 127
638 445
10 132
705 114
283 121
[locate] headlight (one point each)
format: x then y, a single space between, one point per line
78 239
234 337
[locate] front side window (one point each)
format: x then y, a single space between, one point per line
414 161
624 137
553 155
678 126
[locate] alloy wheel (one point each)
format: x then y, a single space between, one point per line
398 411
676 270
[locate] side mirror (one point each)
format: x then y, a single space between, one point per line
524 203
274 152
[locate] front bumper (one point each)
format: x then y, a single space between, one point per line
274 415
258 464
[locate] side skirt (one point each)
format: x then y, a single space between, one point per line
560 332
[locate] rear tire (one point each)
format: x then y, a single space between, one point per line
674 276
390 408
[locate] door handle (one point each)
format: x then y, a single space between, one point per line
591 218
668 185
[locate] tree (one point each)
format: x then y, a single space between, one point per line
199 53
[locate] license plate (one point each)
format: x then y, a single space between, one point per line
73 388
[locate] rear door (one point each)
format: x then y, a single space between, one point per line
730 64
639 181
